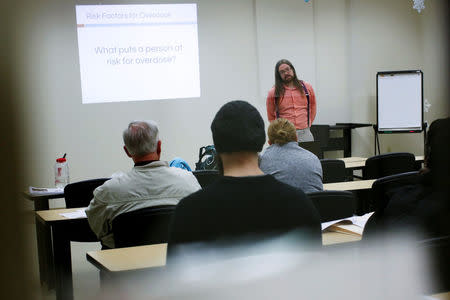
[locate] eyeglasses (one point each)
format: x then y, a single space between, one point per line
284 71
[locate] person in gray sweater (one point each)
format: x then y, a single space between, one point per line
287 161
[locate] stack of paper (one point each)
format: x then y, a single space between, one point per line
79 213
353 225
35 191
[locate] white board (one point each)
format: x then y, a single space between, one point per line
400 101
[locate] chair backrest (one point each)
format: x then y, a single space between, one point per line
389 164
145 226
313 147
333 170
206 177
333 205
79 194
383 187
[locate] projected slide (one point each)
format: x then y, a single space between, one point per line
138 52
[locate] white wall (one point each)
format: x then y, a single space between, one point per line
391 35
337 45
331 31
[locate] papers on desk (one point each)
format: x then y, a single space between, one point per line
35 191
80 213
353 225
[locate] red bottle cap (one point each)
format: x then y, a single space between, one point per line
61 160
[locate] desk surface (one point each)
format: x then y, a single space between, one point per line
356 162
31 197
349 185
53 215
41 202
130 258
149 256
442 296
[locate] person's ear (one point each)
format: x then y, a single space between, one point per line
269 142
126 151
158 148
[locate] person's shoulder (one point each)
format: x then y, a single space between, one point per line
179 172
183 177
308 154
282 188
295 149
307 84
109 187
271 92
194 201
268 151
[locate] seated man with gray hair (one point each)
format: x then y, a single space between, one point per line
151 182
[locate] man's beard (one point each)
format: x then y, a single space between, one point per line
288 79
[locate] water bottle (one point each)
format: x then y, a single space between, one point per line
61 172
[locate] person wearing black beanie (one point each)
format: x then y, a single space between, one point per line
238 127
244 202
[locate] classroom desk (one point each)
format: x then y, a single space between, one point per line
441 296
360 162
41 202
360 188
349 185
56 230
152 256
128 259
54 233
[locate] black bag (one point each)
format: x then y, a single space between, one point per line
207 158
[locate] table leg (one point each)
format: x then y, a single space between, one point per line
45 254
347 142
41 204
62 262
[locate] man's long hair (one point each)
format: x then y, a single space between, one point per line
279 84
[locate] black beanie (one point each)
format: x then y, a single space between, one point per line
237 127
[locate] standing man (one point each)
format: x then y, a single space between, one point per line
292 99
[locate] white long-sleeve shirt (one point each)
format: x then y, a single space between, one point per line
152 184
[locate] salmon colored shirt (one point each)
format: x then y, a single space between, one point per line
293 106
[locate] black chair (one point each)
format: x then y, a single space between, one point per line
145 226
333 205
389 164
333 170
313 147
384 187
206 177
79 194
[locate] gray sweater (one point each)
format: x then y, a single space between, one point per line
293 165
